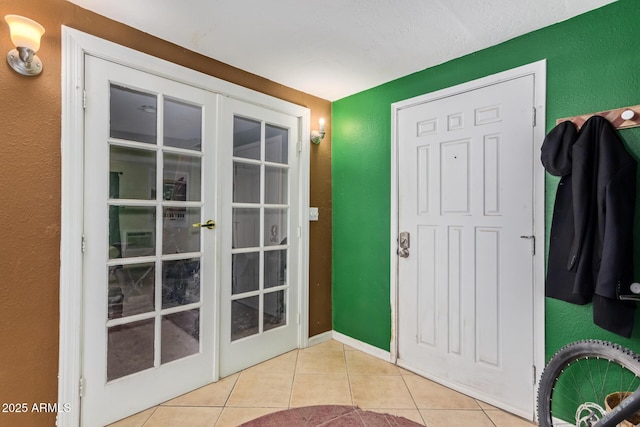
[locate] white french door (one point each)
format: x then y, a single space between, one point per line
260 260
149 257
466 278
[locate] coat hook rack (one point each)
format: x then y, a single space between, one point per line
620 118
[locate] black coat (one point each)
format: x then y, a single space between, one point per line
591 239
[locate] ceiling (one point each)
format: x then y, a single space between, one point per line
335 48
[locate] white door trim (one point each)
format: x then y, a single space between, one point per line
538 70
75 45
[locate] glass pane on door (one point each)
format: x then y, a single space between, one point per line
179 234
180 282
180 335
245 314
260 217
277 189
275 221
246 138
181 180
182 126
131 289
275 268
130 348
246 183
132 173
277 144
245 268
131 231
274 310
133 115
246 227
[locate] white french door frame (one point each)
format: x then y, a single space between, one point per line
538 70
75 45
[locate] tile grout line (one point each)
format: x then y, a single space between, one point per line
293 381
235 383
424 422
486 415
346 368
218 417
224 404
226 401
150 415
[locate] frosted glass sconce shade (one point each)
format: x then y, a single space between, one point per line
25 35
317 136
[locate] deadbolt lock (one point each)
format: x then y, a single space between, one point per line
404 244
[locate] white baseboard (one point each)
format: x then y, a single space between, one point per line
320 338
362 346
351 342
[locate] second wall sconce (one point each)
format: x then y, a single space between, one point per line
25 35
317 136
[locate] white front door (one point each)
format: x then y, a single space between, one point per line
262 249
149 275
465 291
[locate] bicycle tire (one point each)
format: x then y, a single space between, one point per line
574 366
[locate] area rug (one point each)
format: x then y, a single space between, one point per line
329 416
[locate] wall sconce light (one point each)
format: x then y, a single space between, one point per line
25 35
317 136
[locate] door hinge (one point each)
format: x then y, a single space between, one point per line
299 318
533 243
83 244
299 146
535 376
81 387
535 118
84 99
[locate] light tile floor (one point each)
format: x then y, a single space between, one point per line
326 374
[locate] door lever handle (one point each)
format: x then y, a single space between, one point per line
404 253
209 224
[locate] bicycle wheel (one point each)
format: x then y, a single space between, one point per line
578 379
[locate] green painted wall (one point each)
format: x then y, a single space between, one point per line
593 64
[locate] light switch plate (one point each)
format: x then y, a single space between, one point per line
313 214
